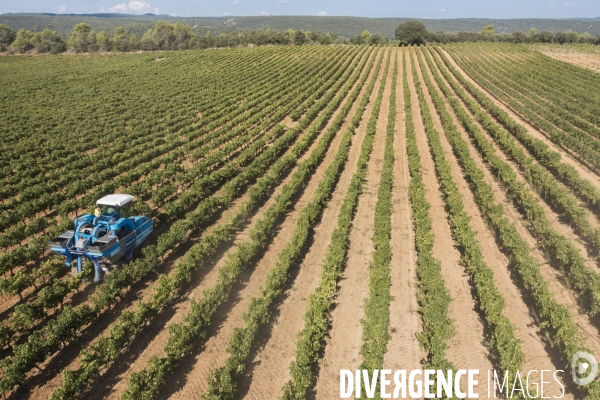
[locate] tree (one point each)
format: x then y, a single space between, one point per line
519 37
488 30
299 38
532 31
92 42
78 40
7 36
365 36
103 41
48 41
164 36
412 32
325 39
120 40
182 34
147 41
22 42
377 39
544 36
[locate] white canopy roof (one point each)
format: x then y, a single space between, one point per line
115 199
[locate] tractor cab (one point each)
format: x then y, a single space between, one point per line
115 205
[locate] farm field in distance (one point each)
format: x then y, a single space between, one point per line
315 208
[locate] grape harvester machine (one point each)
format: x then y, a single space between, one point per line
105 238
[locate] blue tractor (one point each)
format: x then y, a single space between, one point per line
105 237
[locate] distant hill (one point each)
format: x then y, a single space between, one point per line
343 26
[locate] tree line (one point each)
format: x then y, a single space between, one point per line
415 32
163 36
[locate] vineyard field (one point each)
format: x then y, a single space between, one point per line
315 209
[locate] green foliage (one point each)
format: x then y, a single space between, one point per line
377 306
22 42
434 298
223 381
488 30
7 35
560 250
412 32
311 91
80 39
48 41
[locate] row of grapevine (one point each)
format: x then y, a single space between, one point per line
556 98
87 172
434 298
559 198
556 319
575 96
133 174
582 55
268 121
545 184
375 323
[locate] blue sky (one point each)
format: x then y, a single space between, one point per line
361 8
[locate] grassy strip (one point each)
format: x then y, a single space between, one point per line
144 384
555 319
316 318
169 288
222 382
559 249
434 297
505 347
377 306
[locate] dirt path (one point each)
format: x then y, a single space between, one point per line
562 294
516 309
403 350
342 348
269 369
583 171
467 349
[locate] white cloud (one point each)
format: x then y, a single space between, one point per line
552 5
236 3
282 1
264 13
322 13
62 9
443 10
134 7
567 4
225 13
